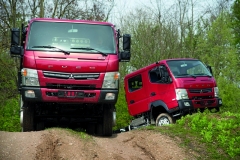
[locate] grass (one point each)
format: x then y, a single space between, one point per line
210 135
79 133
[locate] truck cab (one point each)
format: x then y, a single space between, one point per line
166 90
69 72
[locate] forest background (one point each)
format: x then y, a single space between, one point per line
185 28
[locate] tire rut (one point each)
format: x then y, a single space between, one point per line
47 149
146 151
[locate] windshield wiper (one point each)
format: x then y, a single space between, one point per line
189 75
89 48
203 74
52 47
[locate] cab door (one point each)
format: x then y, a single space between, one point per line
137 99
161 87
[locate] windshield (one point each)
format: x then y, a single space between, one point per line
188 68
71 37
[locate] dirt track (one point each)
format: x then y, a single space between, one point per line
62 145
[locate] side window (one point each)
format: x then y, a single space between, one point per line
135 83
160 74
154 76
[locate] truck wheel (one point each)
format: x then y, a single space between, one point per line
105 127
90 129
40 126
164 119
99 129
107 121
27 118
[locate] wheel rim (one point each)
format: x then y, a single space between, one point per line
163 121
21 112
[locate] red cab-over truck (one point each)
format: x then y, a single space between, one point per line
69 72
166 90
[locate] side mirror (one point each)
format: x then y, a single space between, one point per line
126 54
15 37
210 69
15 49
126 42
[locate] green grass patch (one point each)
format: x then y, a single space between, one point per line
79 133
9 117
211 135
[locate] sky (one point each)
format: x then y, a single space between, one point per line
124 6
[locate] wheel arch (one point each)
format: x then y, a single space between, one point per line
156 108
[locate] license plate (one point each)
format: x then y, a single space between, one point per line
71 94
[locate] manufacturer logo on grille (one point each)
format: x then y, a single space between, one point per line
71 77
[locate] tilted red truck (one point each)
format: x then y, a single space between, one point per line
166 90
69 72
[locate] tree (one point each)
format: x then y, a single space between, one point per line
216 48
236 22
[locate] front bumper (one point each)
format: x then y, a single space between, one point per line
186 106
207 103
189 106
70 96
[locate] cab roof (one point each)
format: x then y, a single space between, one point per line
70 21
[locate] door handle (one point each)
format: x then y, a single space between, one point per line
131 101
153 94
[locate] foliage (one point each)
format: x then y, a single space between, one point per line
123 117
220 132
236 22
213 39
229 94
8 87
75 133
9 117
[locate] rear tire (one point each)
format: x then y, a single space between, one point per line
164 119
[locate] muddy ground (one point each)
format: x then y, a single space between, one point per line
61 144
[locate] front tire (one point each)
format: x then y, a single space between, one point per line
27 118
107 121
40 126
91 129
105 127
164 119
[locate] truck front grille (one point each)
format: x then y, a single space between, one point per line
205 90
76 76
200 94
70 86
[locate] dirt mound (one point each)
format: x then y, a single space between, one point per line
58 144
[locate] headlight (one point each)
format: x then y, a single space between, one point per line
111 80
181 94
29 77
216 92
